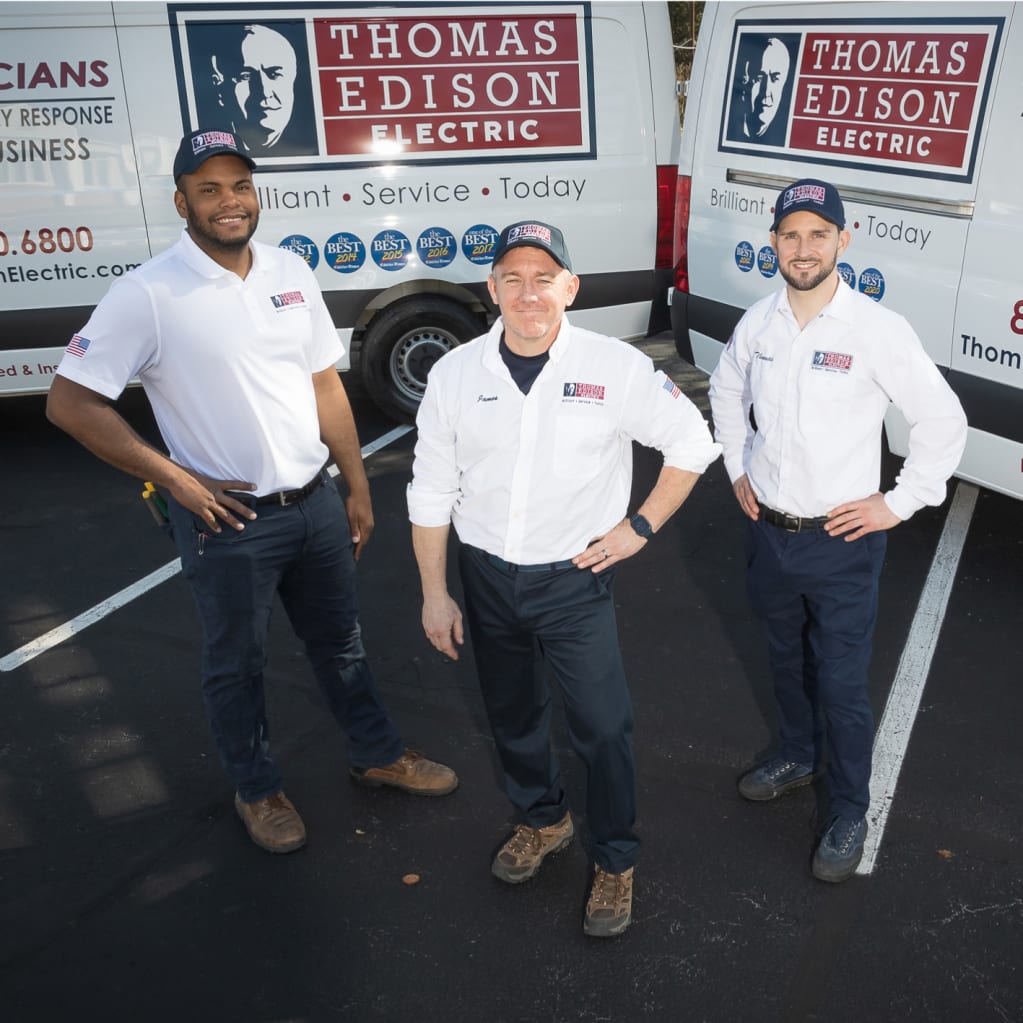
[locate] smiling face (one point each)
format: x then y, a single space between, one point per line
220 206
532 291
808 248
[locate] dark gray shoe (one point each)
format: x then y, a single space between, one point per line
840 849
774 777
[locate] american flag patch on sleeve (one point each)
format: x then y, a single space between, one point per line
78 346
671 387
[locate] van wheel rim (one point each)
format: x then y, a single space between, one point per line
413 357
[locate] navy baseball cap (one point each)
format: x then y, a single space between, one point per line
199 146
536 234
810 194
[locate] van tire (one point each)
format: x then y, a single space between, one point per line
403 342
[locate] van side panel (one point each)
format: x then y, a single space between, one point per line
410 134
906 109
71 218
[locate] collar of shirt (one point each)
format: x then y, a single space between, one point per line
491 357
205 265
840 307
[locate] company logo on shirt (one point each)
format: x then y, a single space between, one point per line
832 362
287 298
594 392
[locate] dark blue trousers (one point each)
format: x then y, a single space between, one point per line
303 554
817 596
571 615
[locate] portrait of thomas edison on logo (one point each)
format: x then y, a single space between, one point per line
253 78
762 89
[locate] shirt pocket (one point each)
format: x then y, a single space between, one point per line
581 446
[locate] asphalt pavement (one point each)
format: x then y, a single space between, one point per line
129 890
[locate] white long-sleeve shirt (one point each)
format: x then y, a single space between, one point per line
819 397
534 478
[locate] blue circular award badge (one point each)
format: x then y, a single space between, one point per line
478 244
301 246
745 257
767 261
344 252
436 247
872 284
391 250
848 274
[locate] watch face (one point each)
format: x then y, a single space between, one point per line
641 527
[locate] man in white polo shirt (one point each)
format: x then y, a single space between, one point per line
525 445
236 351
819 365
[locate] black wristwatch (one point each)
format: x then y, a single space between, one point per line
641 527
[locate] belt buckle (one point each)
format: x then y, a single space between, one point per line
792 524
282 496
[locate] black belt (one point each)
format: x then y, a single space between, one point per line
282 497
547 566
790 523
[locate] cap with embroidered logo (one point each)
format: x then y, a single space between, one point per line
537 235
199 146
815 196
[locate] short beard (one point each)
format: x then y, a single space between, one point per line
211 241
809 283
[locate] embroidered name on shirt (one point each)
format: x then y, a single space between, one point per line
832 362
486 397
762 357
287 298
594 392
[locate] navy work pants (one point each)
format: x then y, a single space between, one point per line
303 553
817 596
571 614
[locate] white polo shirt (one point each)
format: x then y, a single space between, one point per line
819 398
534 478
227 363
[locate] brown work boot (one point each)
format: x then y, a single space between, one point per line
520 857
609 909
273 823
411 772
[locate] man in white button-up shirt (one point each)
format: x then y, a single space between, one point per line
799 398
525 445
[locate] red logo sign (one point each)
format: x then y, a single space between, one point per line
885 95
435 83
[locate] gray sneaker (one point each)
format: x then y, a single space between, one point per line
840 849
520 857
774 777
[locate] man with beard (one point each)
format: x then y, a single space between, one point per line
236 351
799 398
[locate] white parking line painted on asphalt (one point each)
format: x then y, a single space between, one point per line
97 613
892 739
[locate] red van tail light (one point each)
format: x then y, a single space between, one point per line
667 175
681 251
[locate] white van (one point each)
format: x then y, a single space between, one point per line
914 112
393 142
